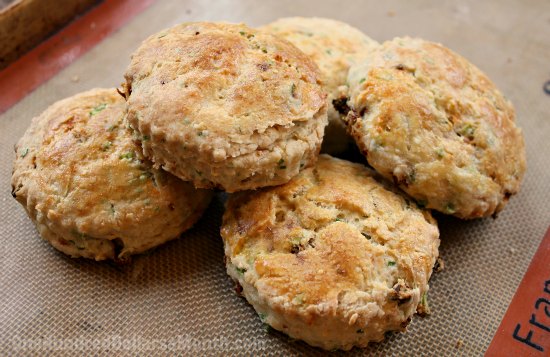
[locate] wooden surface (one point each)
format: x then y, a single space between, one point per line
48 58
25 23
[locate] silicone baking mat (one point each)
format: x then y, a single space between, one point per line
178 299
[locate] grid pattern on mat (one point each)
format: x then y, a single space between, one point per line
180 294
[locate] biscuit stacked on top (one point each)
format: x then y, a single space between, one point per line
325 250
225 106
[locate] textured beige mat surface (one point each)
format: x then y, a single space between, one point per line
178 299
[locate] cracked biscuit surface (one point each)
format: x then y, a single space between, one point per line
334 257
334 46
225 106
435 124
79 176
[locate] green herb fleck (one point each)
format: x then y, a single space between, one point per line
421 203
128 156
262 317
296 240
468 131
423 308
264 50
241 271
391 263
25 152
299 299
281 164
76 245
97 109
338 220
106 145
440 152
329 51
146 138
411 177
162 35
78 234
362 80
145 175
449 208
247 35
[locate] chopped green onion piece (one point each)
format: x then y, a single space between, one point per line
450 208
106 145
129 156
421 203
468 131
97 109
262 317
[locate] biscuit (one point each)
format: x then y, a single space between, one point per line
334 257
78 175
334 46
225 106
434 123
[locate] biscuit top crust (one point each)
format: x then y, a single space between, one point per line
330 241
433 122
77 167
216 86
332 44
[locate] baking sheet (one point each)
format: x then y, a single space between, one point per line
178 298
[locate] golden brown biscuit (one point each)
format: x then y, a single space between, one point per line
225 106
334 46
433 122
79 176
334 257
